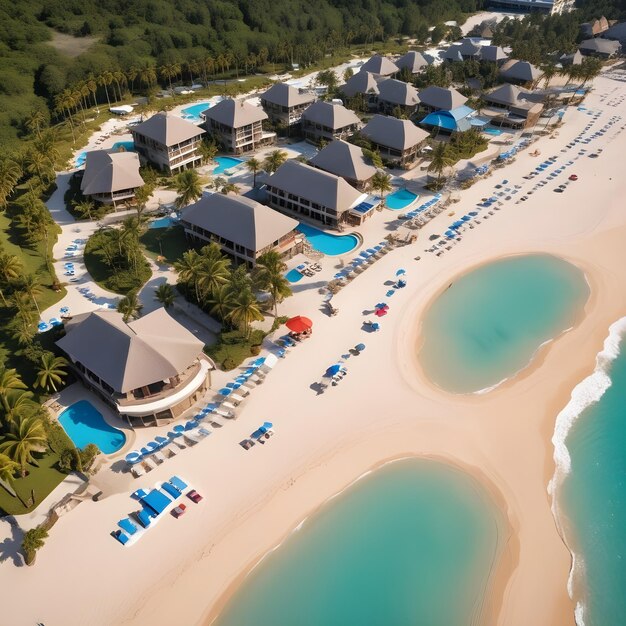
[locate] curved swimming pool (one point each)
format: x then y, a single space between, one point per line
331 245
84 424
400 199
193 113
226 163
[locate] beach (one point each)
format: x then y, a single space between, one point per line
183 571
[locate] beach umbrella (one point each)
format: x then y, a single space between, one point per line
145 451
240 379
466 218
161 440
375 326
233 386
299 324
380 312
257 362
267 425
433 237
371 251
225 391
179 428
133 457
360 347
152 445
473 213
333 369
382 305
364 255
190 424
400 272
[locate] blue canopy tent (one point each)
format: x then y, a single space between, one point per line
455 120
156 501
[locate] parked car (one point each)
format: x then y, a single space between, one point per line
179 510
194 496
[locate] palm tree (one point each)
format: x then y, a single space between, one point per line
10 270
35 122
52 371
147 75
274 160
7 472
207 150
439 160
130 307
165 295
83 207
9 381
169 71
381 182
269 276
25 436
20 405
104 80
549 71
189 268
32 287
33 540
188 186
213 274
230 188
244 311
253 165
221 301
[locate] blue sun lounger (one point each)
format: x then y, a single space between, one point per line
127 526
120 536
171 490
178 483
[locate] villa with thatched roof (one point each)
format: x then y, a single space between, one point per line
519 72
435 98
380 65
327 121
243 228
413 61
397 96
508 106
168 142
285 104
346 160
364 83
601 48
398 141
149 371
111 177
237 125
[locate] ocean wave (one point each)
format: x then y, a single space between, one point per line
587 392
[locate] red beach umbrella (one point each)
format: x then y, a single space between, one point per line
380 312
299 324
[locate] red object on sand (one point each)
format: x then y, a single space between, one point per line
299 324
380 312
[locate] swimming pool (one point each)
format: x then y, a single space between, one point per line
293 276
84 424
163 222
129 146
192 113
80 159
400 199
492 131
332 245
226 163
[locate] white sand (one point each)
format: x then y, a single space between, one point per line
180 570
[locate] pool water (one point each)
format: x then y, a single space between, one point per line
492 131
193 113
293 276
129 146
163 222
487 325
80 159
410 545
331 245
226 163
84 424
400 199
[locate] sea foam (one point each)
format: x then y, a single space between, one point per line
586 393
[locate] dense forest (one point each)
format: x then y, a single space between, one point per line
99 48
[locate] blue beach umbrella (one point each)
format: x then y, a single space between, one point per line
400 272
161 440
173 434
133 457
179 428
333 369
190 424
375 326
225 391
152 445
145 451
473 213
382 305
360 347
267 425
466 218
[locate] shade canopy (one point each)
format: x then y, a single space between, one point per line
299 324
333 369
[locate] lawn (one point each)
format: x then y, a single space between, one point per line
34 262
166 242
233 348
42 480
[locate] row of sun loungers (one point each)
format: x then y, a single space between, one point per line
362 262
260 435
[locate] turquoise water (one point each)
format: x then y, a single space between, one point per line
192 113
84 424
163 222
409 545
129 146
225 163
332 245
293 276
400 199
492 131
489 323
593 495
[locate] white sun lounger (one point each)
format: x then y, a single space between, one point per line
171 449
192 436
229 406
158 457
137 470
228 414
236 398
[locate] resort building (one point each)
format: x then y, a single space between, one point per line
397 141
519 72
575 58
453 54
168 142
616 32
111 177
396 96
379 65
413 61
364 83
508 106
237 126
594 28
242 227
601 48
346 160
493 54
550 7
484 30
149 371
440 99
327 121
285 104
303 190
